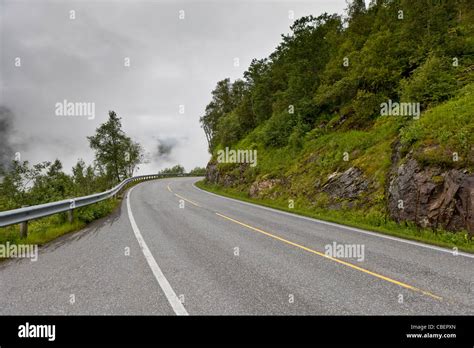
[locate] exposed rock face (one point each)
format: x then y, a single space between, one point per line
227 179
212 173
428 196
347 185
432 197
454 208
261 187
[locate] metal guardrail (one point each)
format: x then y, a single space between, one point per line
23 215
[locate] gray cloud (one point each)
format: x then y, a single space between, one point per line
165 147
173 62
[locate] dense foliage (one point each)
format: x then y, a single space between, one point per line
338 70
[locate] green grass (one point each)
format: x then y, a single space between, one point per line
323 152
44 230
41 231
371 220
444 130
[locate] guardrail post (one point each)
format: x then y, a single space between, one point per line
70 216
24 227
72 205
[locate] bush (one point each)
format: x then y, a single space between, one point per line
278 129
430 84
95 211
228 129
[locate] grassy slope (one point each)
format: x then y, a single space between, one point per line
444 130
440 131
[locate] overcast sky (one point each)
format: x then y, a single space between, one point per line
173 62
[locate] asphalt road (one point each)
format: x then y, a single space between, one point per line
174 249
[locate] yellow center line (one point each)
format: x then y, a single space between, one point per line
348 264
406 286
187 200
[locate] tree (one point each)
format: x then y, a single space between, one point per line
134 156
115 153
84 178
13 190
225 97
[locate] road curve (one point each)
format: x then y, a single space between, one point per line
174 249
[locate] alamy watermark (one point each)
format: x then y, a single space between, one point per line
66 108
37 331
346 251
391 108
21 251
237 156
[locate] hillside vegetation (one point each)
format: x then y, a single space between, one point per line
313 111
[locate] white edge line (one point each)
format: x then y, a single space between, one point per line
379 235
160 277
